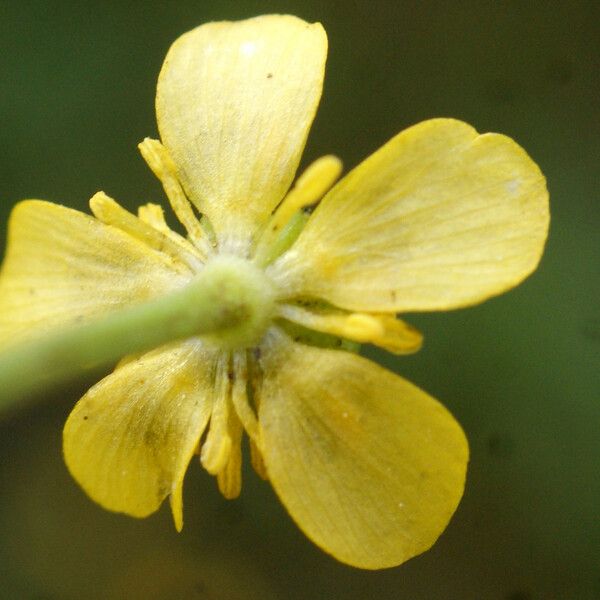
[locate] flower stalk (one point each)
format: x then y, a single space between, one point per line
227 302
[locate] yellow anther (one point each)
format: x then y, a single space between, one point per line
310 187
361 327
153 215
216 450
229 478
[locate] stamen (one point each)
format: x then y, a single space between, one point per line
158 159
216 450
310 187
254 373
229 479
221 454
240 395
383 330
108 211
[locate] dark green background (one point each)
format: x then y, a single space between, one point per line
521 372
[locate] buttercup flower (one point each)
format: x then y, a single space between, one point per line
370 467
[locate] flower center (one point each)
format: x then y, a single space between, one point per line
246 296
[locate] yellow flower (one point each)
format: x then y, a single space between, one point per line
370 467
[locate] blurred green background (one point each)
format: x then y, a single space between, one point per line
521 372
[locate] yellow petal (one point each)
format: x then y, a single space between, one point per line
370 467
63 266
440 217
385 331
235 101
129 440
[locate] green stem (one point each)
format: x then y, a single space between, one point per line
219 301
